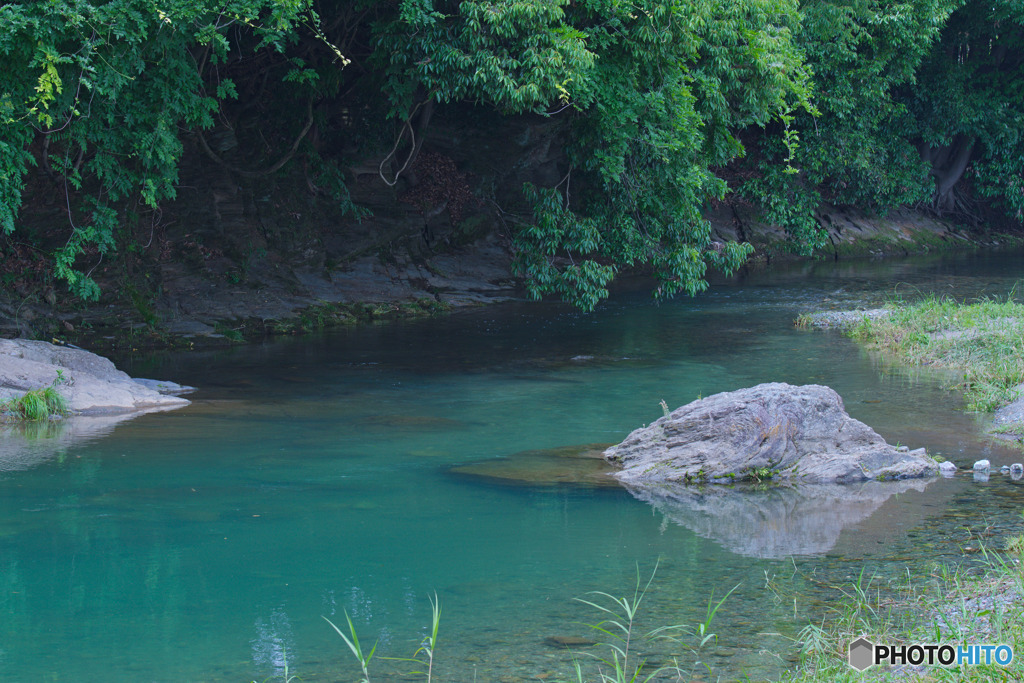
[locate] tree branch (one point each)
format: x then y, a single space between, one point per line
424 120
267 171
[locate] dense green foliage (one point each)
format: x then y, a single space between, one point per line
672 85
98 92
656 91
920 105
857 102
969 105
863 53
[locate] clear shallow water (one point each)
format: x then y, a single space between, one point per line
313 476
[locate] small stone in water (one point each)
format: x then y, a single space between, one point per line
1016 471
568 641
982 465
947 468
1005 469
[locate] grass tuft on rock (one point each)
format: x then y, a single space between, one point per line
36 405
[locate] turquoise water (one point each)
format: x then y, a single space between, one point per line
313 477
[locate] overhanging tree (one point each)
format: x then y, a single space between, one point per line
657 93
658 96
97 93
969 106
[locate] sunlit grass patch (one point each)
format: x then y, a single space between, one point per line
984 340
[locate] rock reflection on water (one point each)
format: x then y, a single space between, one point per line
24 445
775 521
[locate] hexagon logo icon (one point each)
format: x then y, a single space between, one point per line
862 654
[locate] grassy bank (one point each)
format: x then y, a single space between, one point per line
984 341
979 603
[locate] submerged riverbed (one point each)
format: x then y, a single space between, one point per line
314 476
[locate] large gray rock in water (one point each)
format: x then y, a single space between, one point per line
91 383
776 431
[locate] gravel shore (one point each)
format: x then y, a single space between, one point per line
840 320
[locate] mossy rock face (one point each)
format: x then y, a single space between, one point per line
851 233
472 229
580 465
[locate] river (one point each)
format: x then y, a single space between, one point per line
317 476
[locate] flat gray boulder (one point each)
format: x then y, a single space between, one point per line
770 431
91 383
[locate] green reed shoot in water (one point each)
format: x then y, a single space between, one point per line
355 647
621 627
429 645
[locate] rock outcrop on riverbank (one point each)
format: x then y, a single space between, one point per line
1008 421
770 431
91 383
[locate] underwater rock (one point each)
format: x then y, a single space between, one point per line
417 423
91 383
579 465
569 641
770 431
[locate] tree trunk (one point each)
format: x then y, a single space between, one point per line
949 163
